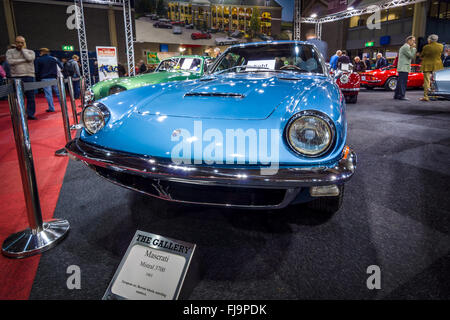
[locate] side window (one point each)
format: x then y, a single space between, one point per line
229 61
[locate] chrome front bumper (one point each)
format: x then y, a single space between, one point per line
108 163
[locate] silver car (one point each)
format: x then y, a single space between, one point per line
226 41
440 83
177 30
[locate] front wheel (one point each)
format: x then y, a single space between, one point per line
328 205
351 99
391 84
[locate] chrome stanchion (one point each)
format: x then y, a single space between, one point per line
65 116
82 91
76 125
40 236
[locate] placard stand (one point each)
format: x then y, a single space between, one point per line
154 268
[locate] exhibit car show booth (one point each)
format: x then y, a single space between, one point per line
201 169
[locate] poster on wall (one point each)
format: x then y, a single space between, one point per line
152 57
107 63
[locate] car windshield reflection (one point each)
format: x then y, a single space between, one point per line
294 57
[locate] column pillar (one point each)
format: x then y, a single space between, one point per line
419 20
112 27
10 20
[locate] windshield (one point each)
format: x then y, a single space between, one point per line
185 64
294 57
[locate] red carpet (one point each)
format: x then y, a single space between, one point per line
47 135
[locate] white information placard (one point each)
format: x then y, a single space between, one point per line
153 268
267 64
107 63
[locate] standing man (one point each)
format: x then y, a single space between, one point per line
367 62
360 66
381 61
321 45
21 62
334 60
142 67
72 69
446 58
405 55
431 61
343 59
47 70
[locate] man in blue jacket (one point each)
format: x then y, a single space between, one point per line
47 70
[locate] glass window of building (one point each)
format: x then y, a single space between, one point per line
443 10
354 21
395 13
409 11
434 9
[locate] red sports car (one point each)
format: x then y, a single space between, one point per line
349 83
387 77
200 35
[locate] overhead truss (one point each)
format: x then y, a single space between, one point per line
297 19
357 12
82 39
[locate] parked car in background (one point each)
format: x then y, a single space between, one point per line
440 83
172 69
170 141
200 35
177 30
226 41
264 37
387 77
213 30
154 17
237 34
178 23
163 24
348 81
190 26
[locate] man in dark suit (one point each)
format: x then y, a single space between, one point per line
381 61
47 70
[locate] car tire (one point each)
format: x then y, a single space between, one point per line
351 99
328 205
390 84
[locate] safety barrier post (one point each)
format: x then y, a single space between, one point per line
73 104
40 236
65 116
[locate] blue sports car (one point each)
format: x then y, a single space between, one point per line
264 128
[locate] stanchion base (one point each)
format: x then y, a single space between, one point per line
61 152
24 243
76 127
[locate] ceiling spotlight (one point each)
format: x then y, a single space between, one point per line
350 8
314 15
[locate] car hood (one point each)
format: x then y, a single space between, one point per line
231 96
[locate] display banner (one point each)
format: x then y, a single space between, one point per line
153 268
107 63
152 58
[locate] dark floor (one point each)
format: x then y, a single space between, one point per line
396 214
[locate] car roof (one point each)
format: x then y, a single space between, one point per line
186 56
249 44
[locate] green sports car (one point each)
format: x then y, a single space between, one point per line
172 69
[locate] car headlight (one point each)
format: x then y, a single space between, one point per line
88 96
310 133
344 79
116 89
94 117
